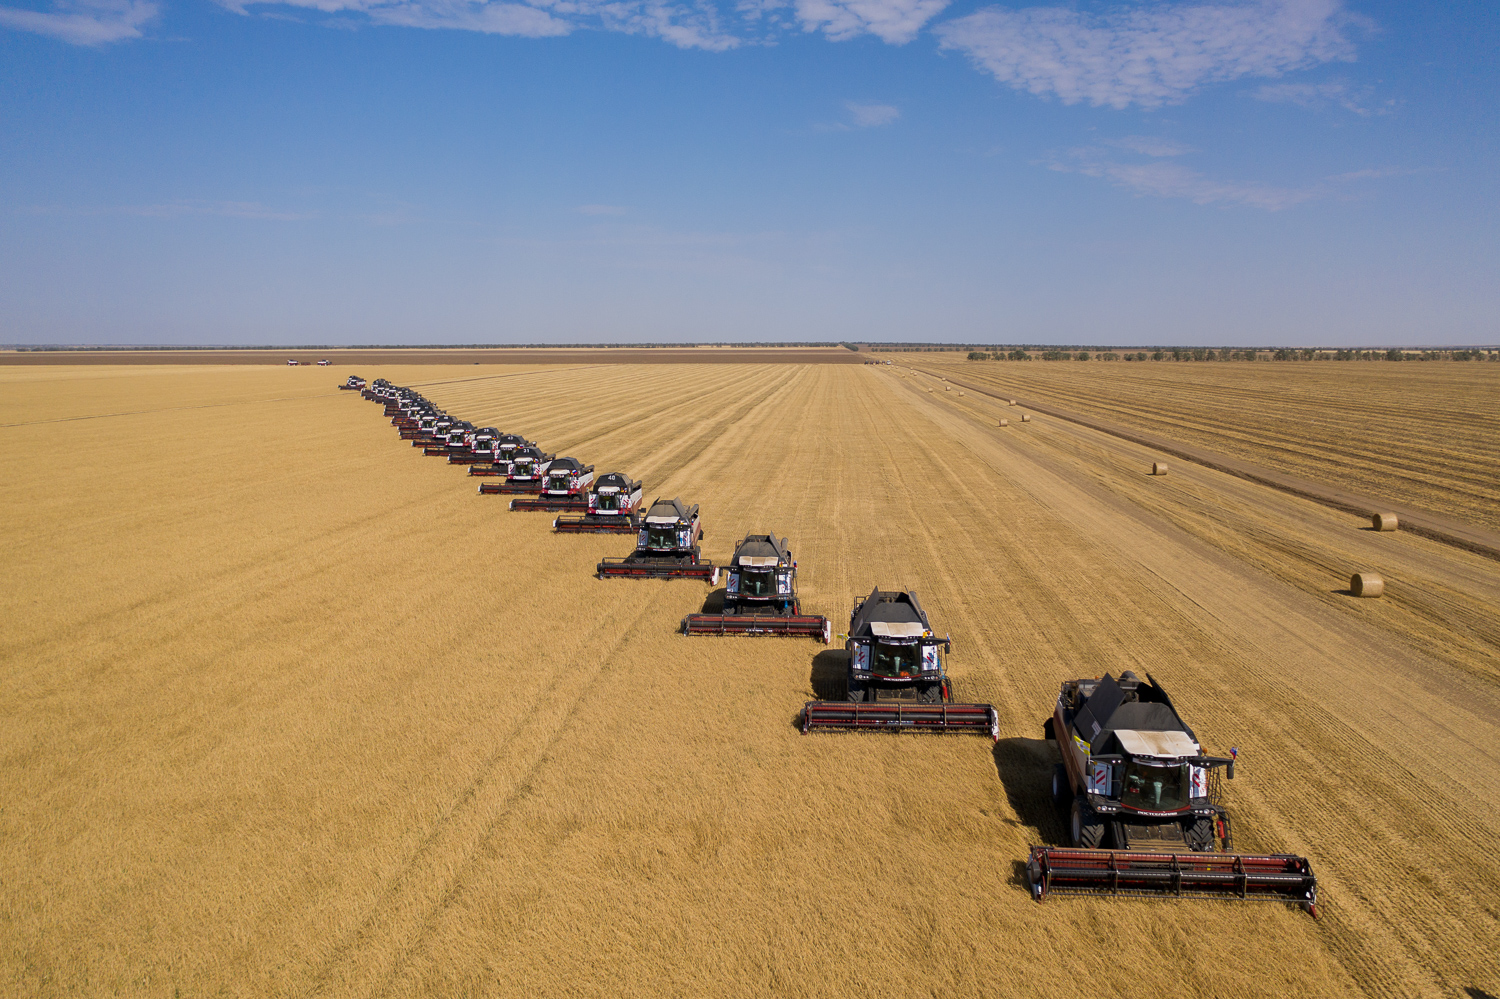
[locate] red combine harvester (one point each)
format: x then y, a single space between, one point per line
506 446
455 442
613 505
425 431
481 448
666 547
760 596
1145 816
565 486
527 466
892 649
353 384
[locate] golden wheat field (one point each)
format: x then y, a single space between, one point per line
290 710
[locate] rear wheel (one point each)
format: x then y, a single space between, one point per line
1086 826
1199 834
1060 790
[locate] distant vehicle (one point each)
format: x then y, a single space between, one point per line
292 364
324 363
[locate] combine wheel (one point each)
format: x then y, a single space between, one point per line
856 691
1086 826
932 695
1199 834
1060 788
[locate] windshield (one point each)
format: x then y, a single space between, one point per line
661 537
893 660
1154 788
559 481
608 501
760 583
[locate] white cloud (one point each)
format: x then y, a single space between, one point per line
872 115
83 22
1162 179
1316 96
1152 54
1147 146
893 21
601 210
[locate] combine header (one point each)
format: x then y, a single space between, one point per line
666 547
353 384
565 486
505 448
892 648
612 508
1145 816
527 466
760 596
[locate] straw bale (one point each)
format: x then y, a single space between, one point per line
1005 423
1366 584
1025 417
1384 522
1158 468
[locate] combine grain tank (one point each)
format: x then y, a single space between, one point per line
613 508
760 596
1144 808
894 655
527 466
666 546
565 486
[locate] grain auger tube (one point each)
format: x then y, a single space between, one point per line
1145 815
565 486
666 547
760 596
897 680
498 464
613 507
527 465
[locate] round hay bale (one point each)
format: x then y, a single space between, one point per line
1025 417
1366 584
946 388
1010 402
1384 522
960 394
1005 423
1158 468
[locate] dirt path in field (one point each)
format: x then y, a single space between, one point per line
322 721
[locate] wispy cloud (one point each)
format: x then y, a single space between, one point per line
83 22
871 115
1173 180
893 21
1152 54
601 210
1147 146
1317 96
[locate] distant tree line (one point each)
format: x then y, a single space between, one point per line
1229 354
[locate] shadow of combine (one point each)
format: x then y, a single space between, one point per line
1474 993
830 675
714 602
1025 770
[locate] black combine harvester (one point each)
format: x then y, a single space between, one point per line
565 486
893 650
505 448
527 465
760 596
666 547
612 507
1144 809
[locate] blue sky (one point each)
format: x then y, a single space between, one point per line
409 171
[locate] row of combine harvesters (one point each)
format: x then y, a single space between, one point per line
1142 799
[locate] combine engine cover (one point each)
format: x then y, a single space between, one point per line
527 466
565 485
613 505
506 447
1144 809
760 596
892 648
666 546
482 448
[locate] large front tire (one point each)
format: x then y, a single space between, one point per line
856 691
1199 834
1086 826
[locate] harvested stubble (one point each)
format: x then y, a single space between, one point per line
1384 522
1366 584
264 734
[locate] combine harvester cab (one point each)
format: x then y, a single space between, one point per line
527 466
456 441
353 383
613 505
893 650
565 486
1145 816
666 547
760 596
481 448
506 448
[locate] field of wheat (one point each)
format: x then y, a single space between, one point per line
290 710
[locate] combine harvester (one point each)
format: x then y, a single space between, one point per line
892 648
565 486
506 447
456 441
612 508
1144 811
527 466
760 596
482 448
354 383
666 547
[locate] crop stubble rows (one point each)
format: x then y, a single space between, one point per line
304 715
